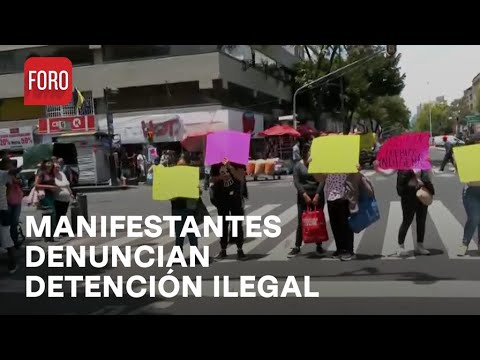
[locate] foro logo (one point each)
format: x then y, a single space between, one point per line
48 81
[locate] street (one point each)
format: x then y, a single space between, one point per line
375 283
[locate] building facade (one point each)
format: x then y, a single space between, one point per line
155 79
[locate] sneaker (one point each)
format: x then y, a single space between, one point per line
347 257
337 254
319 250
221 255
294 252
421 250
240 254
401 251
12 269
462 251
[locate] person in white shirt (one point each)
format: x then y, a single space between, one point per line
64 193
141 160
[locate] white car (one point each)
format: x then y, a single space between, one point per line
438 140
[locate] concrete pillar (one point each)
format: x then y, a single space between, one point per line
97 56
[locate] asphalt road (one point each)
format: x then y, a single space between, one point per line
374 283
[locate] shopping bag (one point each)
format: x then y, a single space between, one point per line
314 226
368 213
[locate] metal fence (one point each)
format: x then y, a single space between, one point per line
88 108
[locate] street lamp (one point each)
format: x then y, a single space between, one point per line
107 94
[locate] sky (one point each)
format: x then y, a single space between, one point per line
437 70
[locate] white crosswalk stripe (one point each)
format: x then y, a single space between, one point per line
449 229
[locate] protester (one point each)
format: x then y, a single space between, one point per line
471 203
227 195
183 207
309 193
448 153
206 181
63 194
14 199
409 182
6 241
141 163
296 153
45 185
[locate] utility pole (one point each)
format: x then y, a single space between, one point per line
107 92
391 51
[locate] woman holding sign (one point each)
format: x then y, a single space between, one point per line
471 202
228 194
309 192
416 191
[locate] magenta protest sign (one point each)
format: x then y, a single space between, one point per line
233 145
405 152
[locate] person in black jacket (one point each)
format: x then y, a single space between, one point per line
309 193
448 154
408 183
227 194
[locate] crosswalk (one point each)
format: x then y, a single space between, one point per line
447 230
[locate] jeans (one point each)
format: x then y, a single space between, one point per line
412 207
471 202
183 213
339 212
14 212
302 207
233 207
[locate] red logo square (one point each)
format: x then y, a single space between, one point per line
47 81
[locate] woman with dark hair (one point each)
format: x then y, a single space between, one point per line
309 193
228 193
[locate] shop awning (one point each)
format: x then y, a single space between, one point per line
196 135
280 130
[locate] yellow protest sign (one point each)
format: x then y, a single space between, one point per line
335 155
367 141
175 182
467 159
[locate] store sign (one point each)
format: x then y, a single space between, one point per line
170 130
16 138
66 124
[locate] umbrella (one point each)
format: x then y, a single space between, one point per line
280 130
306 130
36 154
195 142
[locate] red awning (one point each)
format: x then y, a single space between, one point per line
280 130
307 130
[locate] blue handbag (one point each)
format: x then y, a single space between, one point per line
368 213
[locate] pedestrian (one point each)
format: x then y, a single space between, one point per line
14 200
6 241
309 193
141 162
63 194
471 203
184 207
45 183
296 153
228 194
409 182
206 181
448 153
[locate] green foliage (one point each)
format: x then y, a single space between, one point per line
477 105
442 122
459 109
363 85
389 111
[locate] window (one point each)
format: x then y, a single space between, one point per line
70 110
13 61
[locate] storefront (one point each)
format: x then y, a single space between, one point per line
16 140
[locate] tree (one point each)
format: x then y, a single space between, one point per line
362 85
442 122
460 109
477 105
387 111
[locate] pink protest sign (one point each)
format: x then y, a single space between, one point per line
233 145
405 152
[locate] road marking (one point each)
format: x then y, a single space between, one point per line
279 252
212 238
285 217
390 242
366 289
450 231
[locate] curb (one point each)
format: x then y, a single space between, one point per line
96 189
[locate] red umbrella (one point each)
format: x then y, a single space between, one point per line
280 130
195 142
306 130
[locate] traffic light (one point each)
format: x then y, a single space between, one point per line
391 50
150 136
